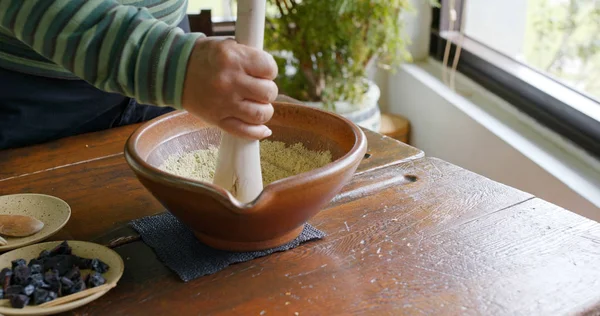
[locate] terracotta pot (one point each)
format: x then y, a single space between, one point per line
275 217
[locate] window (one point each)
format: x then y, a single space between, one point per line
220 9
560 38
222 13
543 56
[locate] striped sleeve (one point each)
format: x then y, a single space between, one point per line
117 48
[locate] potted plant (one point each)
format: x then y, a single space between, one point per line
324 48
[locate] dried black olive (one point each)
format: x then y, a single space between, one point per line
13 290
19 301
62 263
51 275
66 282
84 263
40 296
53 280
62 249
35 268
94 279
28 290
77 287
74 274
35 261
51 296
54 273
18 262
36 280
99 266
21 274
4 271
6 280
44 254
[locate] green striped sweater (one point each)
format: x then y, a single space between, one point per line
131 47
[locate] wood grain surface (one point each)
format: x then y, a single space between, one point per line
64 152
430 238
103 184
408 235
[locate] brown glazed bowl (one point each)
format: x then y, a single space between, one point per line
278 214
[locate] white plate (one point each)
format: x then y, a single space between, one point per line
50 210
80 248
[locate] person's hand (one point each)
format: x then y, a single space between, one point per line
231 86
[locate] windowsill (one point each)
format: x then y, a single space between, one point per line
559 108
570 164
537 80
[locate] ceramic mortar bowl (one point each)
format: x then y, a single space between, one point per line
278 214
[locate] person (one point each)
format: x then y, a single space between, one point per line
74 66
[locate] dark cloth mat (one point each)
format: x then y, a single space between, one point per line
177 247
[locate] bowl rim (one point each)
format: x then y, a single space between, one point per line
140 165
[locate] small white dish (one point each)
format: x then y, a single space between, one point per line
52 211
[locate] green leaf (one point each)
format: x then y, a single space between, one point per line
332 41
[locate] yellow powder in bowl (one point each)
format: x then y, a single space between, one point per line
277 161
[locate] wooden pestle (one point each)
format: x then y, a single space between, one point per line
238 166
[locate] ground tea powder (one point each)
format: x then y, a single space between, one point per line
277 160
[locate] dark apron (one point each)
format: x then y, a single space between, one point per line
36 109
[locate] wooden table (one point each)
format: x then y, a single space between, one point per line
408 235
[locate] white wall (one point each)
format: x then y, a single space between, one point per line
442 130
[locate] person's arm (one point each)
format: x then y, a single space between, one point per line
117 48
